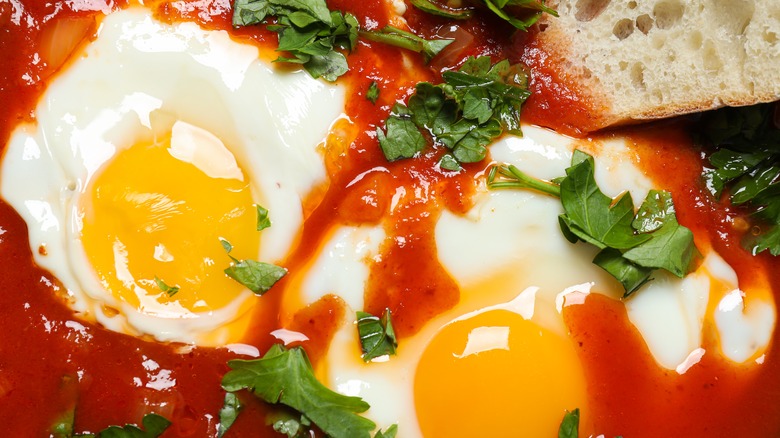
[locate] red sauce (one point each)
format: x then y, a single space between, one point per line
51 361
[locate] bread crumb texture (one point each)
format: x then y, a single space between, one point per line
658 58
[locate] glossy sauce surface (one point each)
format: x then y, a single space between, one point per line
51 361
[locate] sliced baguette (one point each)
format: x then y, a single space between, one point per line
632 60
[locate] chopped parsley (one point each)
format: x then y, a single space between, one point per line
285 376
153 426
465 114
263 221
256 276
373 92
170 290
570 424
390 432
231 407
377 337
632 244
394 36
434 9
521 14
307 30
746 168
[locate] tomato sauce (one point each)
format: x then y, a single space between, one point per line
52 362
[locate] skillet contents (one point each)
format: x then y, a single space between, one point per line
283 218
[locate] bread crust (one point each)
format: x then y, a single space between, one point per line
673 64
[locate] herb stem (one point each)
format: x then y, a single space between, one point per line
520 180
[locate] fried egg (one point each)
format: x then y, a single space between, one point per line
157 142
504 351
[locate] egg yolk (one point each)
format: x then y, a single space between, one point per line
152 213
496 374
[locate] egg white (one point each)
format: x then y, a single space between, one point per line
141 77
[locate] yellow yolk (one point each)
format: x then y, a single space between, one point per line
517 377
149 214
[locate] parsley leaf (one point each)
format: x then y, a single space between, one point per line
231 407
403 139
259 277
390 432
433 9
670 247
263 221
373 92
593 216
406 40
570 424
632 244
285 376
377 337
746 166
307 30
170 290
287 422
153 426
465 114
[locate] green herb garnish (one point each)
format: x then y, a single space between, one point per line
394 36
377 337
521 14
434 9
373 92
263 221
307 30
153 426
746 166
258 277
390 432
170 290
231 407
570 425
465 114
632 244
285 376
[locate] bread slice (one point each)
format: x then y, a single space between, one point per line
632 60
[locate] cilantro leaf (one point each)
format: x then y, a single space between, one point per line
287 422
231 407
170 290
448 162
307 30
745 159
285 376
153 426
632 244
631 275
570 424
373 92
390 432
671 246
433 9
473 107
258 277
406 40
593 216
498 7
377 337
263 221
403 139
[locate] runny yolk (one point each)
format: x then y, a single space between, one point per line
150 214
496 374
